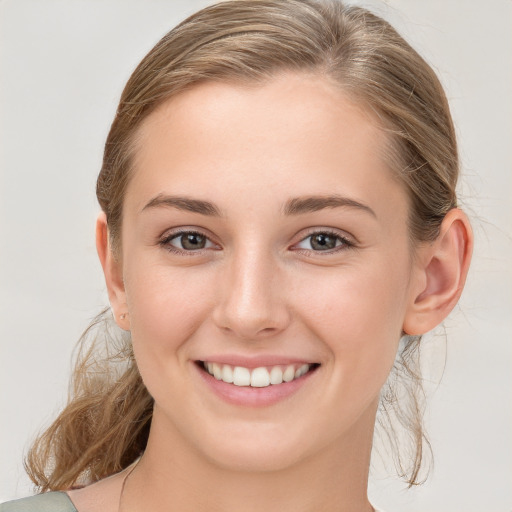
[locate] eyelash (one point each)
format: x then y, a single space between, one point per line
345 242
166 242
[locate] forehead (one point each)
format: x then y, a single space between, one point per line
294 135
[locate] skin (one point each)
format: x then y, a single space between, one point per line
260 287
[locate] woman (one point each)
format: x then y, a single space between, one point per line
279 220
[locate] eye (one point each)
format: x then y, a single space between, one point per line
187 241
324 241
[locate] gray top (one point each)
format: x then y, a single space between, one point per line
46 502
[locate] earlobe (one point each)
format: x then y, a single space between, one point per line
112 270
440 274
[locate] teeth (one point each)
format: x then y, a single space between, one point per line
289 373
227 373
217 371
301 371
258 377
241 376
276 375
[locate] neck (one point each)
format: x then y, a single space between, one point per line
174 476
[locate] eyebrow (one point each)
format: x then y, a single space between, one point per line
184 203
294 206
309 204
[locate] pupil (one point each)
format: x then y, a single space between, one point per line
323 242
192 241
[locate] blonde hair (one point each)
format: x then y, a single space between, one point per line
105 425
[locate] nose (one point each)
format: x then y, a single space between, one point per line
252 301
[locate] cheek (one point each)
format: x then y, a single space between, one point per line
357 301
358 313
167 305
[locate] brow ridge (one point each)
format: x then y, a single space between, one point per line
294 206
309 204
184 203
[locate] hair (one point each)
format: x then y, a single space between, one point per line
105 425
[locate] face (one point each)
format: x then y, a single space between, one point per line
263 230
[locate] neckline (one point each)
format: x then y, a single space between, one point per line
68 498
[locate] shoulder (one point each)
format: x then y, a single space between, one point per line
46 502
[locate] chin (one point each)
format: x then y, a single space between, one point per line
254 457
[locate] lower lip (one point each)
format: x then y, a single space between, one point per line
253 397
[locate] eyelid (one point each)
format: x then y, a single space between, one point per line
168 235
347 240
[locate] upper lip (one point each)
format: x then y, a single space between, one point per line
255 361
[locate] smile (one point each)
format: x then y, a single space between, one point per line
260 377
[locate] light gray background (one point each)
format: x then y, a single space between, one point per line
63 64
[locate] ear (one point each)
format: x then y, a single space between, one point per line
440 274
112 269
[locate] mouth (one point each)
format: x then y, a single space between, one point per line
260 377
